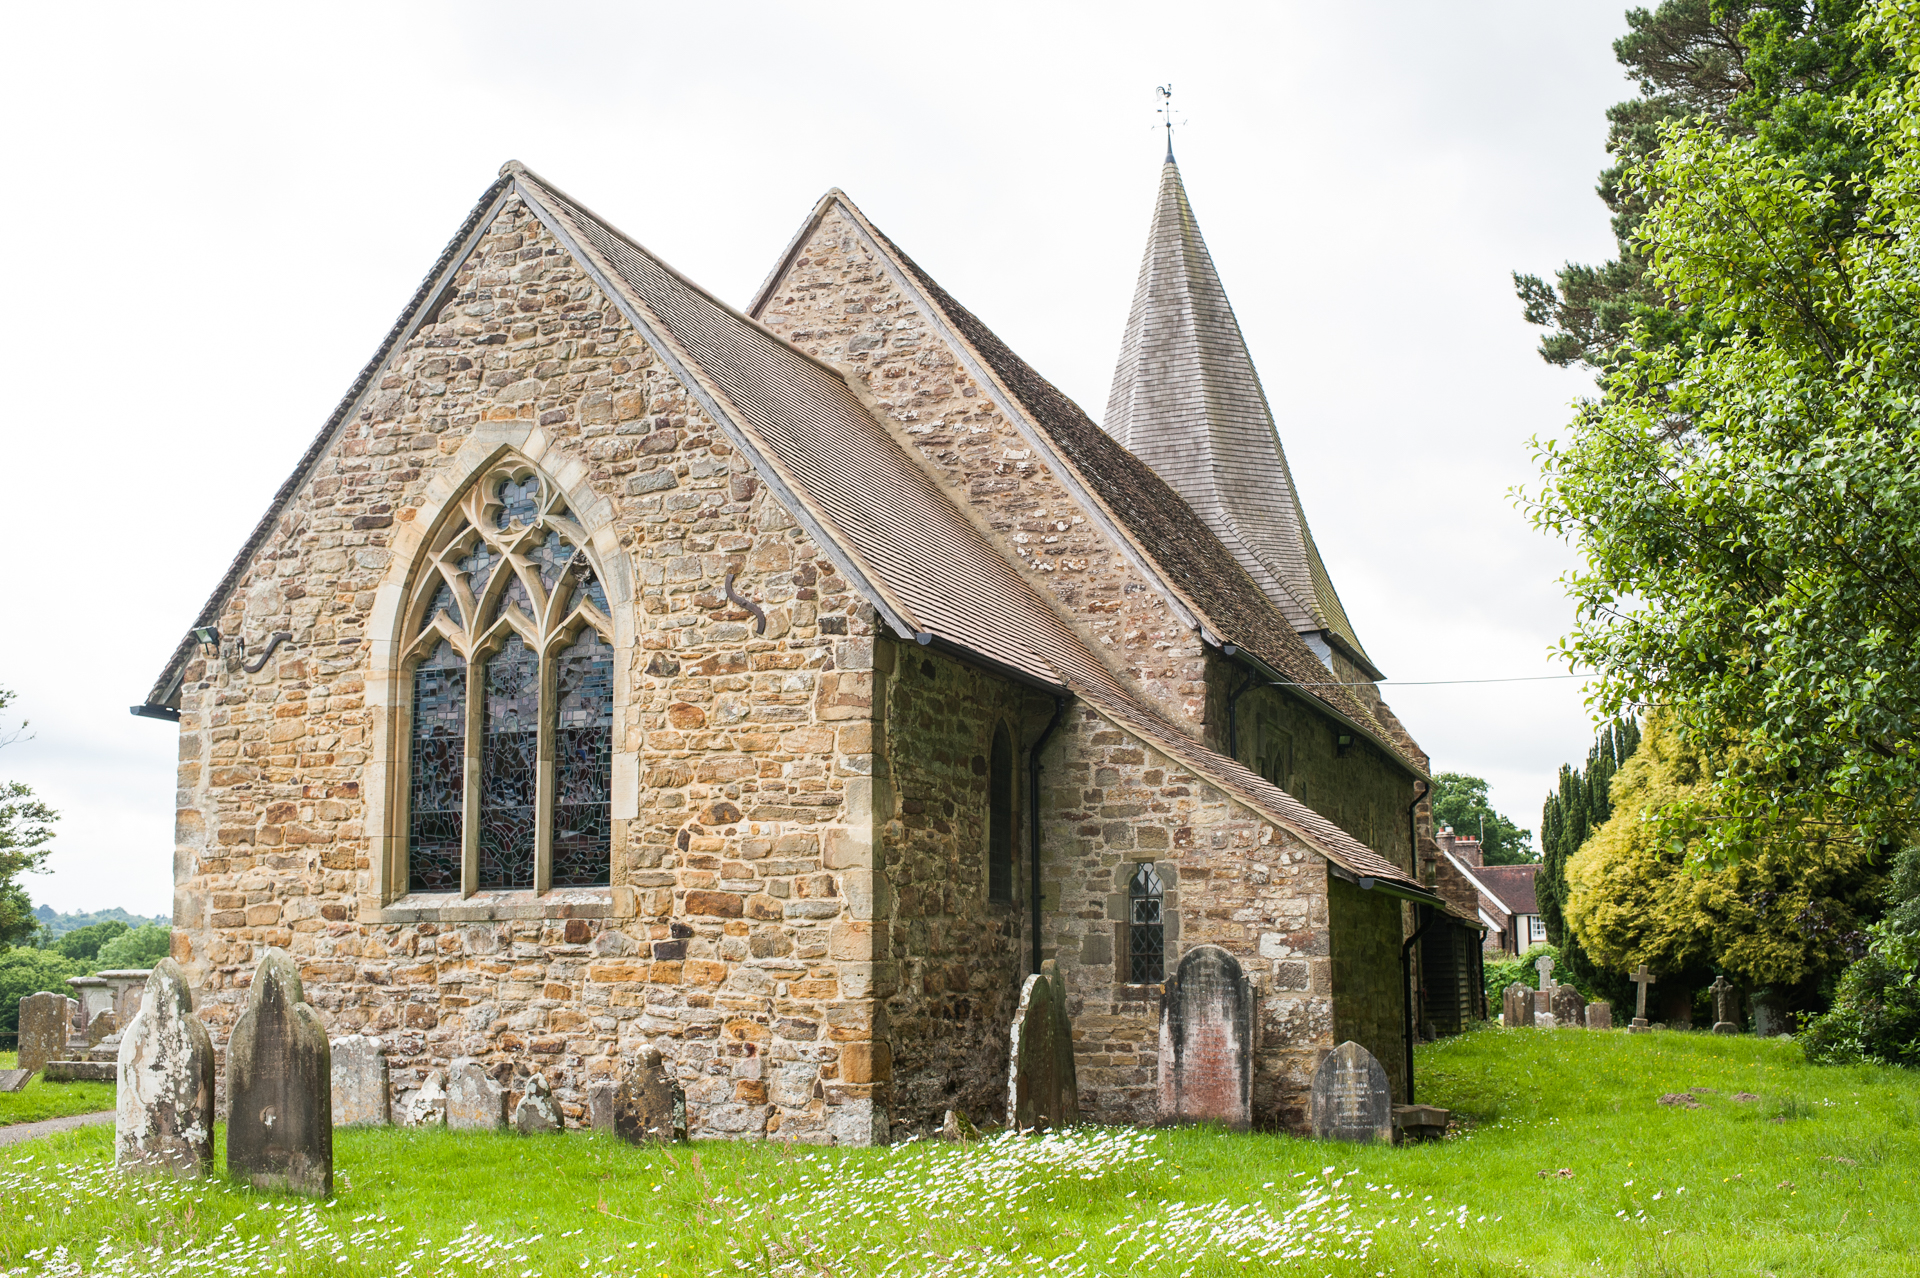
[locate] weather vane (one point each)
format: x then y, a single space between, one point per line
1166 114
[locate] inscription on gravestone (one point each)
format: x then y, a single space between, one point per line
1350 1100
1207 1025
1042 1088
280 1086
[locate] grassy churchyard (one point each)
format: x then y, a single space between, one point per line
1572 1164
42 1099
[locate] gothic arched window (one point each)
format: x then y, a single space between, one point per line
1146 927
510 661
1000 818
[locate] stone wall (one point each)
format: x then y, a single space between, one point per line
1369 999
1232 880
738 934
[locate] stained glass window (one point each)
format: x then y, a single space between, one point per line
1000 819
442 604
583 764
1146 928
519 501
479 565
551 558
515 593
438 768
509 766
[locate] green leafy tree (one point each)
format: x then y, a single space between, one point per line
1461 801
1746 499
26 827
1875 1016
83 945
24 971
1776 73
141 947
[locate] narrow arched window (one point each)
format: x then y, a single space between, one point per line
1146 926
510 758
1000 818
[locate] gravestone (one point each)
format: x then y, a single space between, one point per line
536 1111
649 1105
1350 1100
104 1026
600 1105
1600 1015
163 1105
14 1080
426 1106
1767 1018
474 1101
360 1094
1207 1025
1042 1087
95 995
129 987
280 1086
1641 979
1679 1013
1544 966
1569 1008
1724 1007
1516 1006
1543 993
43 1030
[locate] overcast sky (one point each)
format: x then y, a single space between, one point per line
217 213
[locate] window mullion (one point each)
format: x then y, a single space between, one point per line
470 806
543 800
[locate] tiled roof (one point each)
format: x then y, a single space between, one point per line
1512 884
1184 551
1187 400
928 569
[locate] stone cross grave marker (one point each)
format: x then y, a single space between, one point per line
163 1110
1569 1007
280 1086
1350 1100
1600 1015
1723 1007
649 1105
1544 966
1516 1006
360 1077
1543 993
1642 978
43 1030
1207 1026
1042 1088
474 1101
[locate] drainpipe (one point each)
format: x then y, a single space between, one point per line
1033 815
1406 988
1413 832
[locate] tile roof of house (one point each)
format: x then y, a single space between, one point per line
1186 555
1512 884
1187 400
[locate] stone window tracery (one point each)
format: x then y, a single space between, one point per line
509 657
1146 926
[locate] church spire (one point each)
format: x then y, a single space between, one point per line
1187 401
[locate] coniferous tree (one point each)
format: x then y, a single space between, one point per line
1579 804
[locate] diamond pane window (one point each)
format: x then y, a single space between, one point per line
1146 928
583 764
510 767
438 763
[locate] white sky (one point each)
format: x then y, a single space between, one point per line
217 213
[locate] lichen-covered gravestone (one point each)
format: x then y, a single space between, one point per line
649 1105
1600 1015
1042 1087
474 1101
360 1096
536 1111
163 1119
426 1105
1350 1100
1516 1006
43 1030
280 1086
1569 1007
1206 1042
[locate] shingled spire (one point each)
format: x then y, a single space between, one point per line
1187 401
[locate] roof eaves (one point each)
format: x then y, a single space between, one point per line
1479 887
166 688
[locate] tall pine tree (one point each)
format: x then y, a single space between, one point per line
1573 811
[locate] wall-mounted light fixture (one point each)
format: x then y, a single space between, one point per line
1342 744
208 636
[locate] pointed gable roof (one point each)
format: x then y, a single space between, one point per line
1187 401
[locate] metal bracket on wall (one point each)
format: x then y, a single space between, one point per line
759 616
280 637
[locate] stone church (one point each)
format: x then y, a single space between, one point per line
777 686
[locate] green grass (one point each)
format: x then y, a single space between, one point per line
1817 1176
42 1099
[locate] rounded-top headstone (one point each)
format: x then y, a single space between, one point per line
1350 1099
1207 1024
280 1086
163 1107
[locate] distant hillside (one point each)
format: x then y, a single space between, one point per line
58 925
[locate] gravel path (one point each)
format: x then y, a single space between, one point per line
28 1131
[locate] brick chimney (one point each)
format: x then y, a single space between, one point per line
1467 848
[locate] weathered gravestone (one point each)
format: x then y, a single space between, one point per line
1641 978
426 1105
360 1093
1516 1006
280 1086
474 1101
1207 1025
15 1080
600 1098
1600 1015
536 1111
1042 1088
163 1105
1569 1007
649 1105
43 1030
1350 1100
104 1027
1724 1006
1768 1020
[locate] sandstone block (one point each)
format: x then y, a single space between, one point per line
280 1087
163 1112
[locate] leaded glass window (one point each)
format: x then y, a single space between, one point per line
1146 927
511 787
